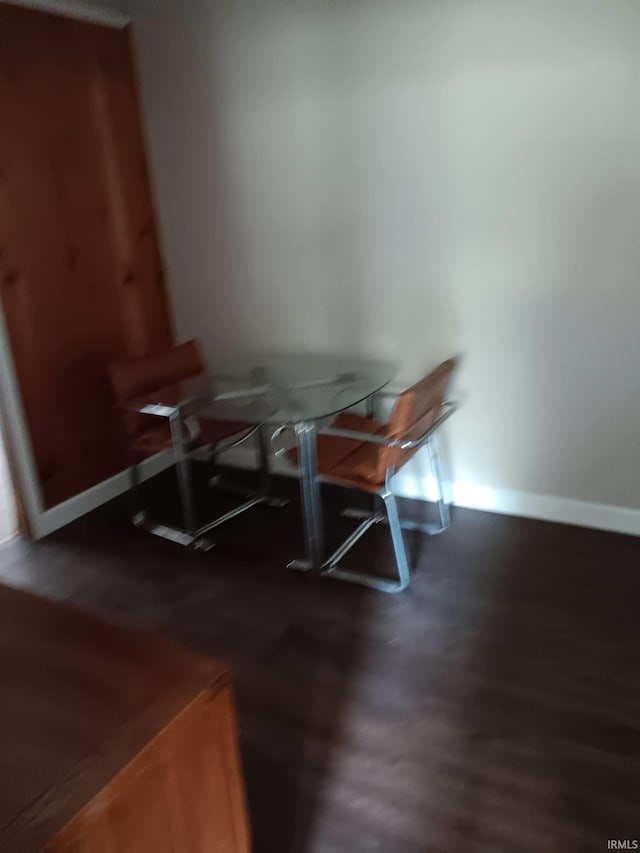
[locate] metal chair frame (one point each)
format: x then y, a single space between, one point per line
390 513
184 451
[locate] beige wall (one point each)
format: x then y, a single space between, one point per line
413 179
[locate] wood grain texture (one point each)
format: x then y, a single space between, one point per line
110 723
182 794
81 278
492 707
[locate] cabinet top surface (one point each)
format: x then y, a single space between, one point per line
81 697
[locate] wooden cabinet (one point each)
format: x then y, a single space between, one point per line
183 792
112 741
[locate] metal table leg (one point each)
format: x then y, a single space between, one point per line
183 469
433 445
265 473
188 535
311 499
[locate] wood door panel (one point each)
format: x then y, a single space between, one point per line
80 270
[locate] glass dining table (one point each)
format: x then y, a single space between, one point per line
265 393
186 405
302 391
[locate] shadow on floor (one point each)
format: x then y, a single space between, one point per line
492 706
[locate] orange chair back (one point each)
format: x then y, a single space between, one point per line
415 411
131 379
141 376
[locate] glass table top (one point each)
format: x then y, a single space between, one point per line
281 388
302 386
201 397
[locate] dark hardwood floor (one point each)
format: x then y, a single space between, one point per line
495 706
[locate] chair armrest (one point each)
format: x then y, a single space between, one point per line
161 411
403 444
449 407
360 436
156 410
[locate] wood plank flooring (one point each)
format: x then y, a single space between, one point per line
495 706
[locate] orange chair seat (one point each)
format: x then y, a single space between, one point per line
158 437
348 460
359 470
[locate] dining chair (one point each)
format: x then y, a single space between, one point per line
359 452
157 429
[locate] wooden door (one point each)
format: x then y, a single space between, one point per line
81 280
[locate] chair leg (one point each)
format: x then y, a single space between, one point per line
400 551
265 472
436 465
138 514
263 491
381 584
395 526
183 471
136 503
266 480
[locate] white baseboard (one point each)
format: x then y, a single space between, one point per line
617 519
409 484
97 495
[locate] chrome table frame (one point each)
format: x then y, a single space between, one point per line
191 535
314 562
